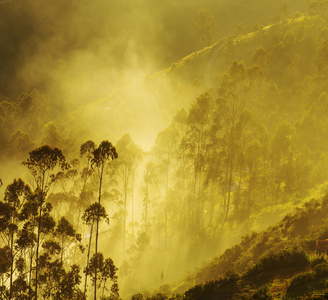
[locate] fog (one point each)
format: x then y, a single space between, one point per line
80 70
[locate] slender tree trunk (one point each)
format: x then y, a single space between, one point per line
229 190
124 223
30 273
249 198
225 190
276 185
212 203
146 215
88 258
38 241
80 207
132 205
200 196
231 153
166 199
11 264
97 228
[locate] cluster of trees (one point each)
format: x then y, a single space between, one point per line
222 158
253 139
38 250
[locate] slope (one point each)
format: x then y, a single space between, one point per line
282 259
154 99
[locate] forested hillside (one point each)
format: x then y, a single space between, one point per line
282 262
118 182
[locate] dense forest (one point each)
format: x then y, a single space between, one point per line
187 159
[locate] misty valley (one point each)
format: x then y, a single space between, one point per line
174 150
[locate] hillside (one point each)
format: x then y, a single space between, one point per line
280 83
151 176
281 262
202 70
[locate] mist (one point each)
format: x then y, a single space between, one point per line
216 110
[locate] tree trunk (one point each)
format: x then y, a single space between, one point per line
97 227
88 258
132 205
166 199
37 247
11 264
124 222
30 273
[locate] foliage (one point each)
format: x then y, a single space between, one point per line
222 288
301 279
293 258
251 143
261 294
104 270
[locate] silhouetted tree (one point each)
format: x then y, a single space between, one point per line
101 157
125 165
104 270
11 219
207 27
94 213
42 164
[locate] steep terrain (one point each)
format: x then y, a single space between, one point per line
282 261
236 138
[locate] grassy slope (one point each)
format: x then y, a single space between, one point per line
251 258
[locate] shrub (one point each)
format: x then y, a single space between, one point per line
301 279
194 293
321 269
230 277
308 244
262 294
158 296
219 265
316 260
218 289
288 258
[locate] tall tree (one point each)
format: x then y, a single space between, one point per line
101 157
130 156
198 139
207 27
11 219
43 163
86 151
94 213
233 94
281 144
166 146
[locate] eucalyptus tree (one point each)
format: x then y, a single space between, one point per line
165 149
102 156
198 143
233 92
281 146
43 163
94 213
150 179
11 221
130 157
86 151
101 270
252 160
206 27
55 281
66 234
